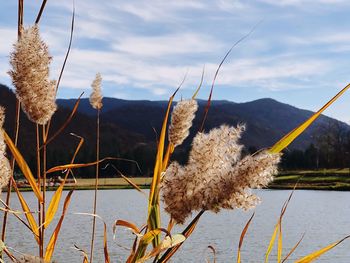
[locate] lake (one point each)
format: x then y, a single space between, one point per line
324 217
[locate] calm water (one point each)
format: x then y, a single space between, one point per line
322 215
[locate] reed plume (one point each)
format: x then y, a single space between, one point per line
215 177
5 168
96 95
181 121
30 62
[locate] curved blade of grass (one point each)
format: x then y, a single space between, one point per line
153 220
105 243
245 229
291 136
293 249
56 198
145 240
214 252
23 166
168 242
218 70
53 239
200 84
278 229
65 124
126 224
136 187
30 218
16 213
85 259
187 232
77 165
318 253
280 243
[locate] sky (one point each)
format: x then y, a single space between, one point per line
298 54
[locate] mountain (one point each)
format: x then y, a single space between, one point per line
266 120
129 129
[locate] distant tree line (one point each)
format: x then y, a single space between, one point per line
331 149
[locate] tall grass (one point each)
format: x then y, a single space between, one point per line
216 176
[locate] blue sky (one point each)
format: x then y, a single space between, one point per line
299 54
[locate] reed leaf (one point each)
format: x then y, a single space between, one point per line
56 198
129 181
187 232
294 248
145 240
153 206
278 230
212 249
53 239
311 257
168 242
83 252
77 165
65 124
105 243
291 136
23 166
128 225
30 218
200 84
241 238
280 243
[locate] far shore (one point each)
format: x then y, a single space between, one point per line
335 179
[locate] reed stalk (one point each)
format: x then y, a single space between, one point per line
38 162
96 183
44 187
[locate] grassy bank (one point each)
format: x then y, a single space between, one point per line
330 179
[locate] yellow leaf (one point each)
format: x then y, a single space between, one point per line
126 224
53 206
272 242
56 198
279 245
52 243
291 136
30 218
76 165
23 166
318 253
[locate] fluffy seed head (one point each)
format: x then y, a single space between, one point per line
181 120
5 168
96 94
30 62
214 178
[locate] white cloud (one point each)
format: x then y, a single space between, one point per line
8 37
179 43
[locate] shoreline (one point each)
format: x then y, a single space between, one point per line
334 180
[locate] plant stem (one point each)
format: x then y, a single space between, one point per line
16 131
44 187
96 183
41 252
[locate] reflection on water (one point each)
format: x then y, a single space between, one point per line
322 215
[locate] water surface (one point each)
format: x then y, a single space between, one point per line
322 215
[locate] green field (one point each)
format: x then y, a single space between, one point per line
330 179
